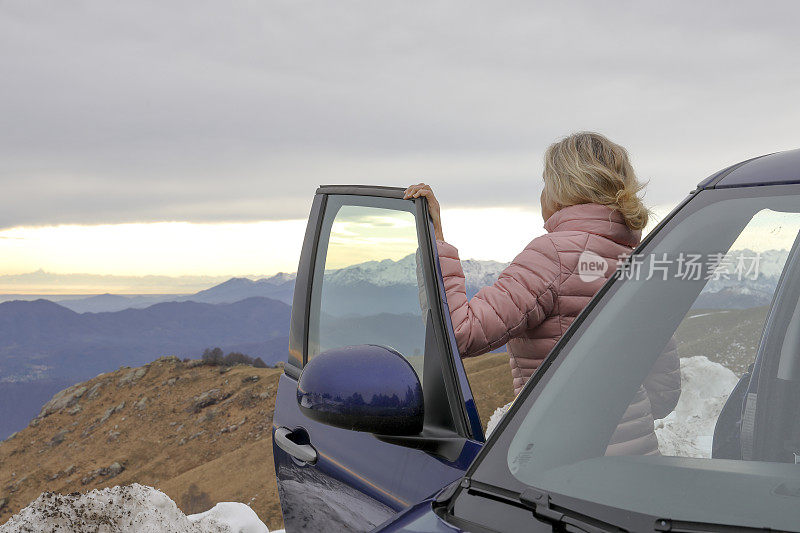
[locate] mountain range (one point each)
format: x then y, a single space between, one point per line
731 293
95 333
45 344
42 339
280 287
72 339
748 292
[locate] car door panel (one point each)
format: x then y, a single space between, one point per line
381 480
359 480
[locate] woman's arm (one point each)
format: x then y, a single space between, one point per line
422 189
520 299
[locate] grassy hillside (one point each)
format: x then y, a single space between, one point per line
729 337
197 434
490 380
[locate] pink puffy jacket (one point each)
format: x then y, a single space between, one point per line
539 295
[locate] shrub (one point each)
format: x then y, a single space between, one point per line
213 356
216 357
236 358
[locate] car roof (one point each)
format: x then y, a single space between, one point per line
771 169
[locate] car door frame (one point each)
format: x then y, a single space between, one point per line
464 412
757 429
452 450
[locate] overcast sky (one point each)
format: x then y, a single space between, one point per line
235 111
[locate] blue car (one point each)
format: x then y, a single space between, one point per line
376 427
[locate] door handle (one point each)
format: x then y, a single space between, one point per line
302 452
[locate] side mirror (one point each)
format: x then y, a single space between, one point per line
363 388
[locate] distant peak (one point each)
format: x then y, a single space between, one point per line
280 277
38 303
236 280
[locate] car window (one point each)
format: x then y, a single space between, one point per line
725 322
367 285
648 405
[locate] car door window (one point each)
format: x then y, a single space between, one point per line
367 285
726 320
719 337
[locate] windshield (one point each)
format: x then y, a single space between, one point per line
678 395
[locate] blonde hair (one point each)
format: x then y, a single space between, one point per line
587 167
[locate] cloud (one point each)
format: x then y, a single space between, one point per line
208 112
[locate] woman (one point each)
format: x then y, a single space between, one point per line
591 209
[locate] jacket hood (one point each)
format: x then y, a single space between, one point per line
596 219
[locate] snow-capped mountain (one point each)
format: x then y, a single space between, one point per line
279 278
381 273
739 292
389 286
403 272
481 273
751 290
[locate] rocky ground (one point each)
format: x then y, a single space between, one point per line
200 434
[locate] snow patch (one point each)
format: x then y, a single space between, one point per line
688 431
128 509
237 517
496 417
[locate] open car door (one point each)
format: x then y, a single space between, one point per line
759 421
369 275
770 426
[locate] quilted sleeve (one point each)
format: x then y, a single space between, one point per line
522 297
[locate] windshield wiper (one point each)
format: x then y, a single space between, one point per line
687 526
538 502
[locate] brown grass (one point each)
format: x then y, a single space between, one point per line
490 379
